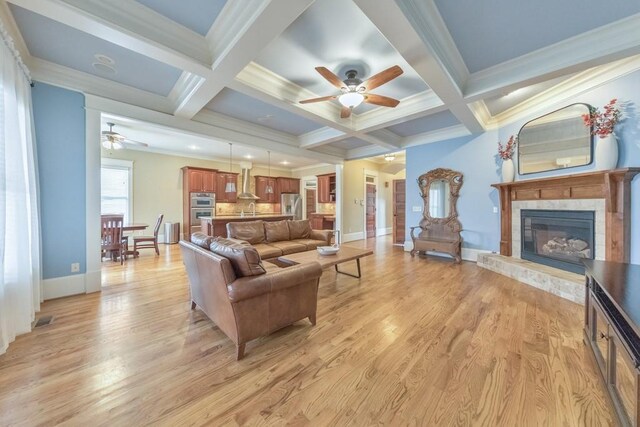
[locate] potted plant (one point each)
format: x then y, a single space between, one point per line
506 154
602 124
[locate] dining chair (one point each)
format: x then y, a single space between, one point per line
142 242
112 241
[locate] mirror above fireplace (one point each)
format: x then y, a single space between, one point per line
558 140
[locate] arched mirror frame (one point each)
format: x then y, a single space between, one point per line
455 180
591 140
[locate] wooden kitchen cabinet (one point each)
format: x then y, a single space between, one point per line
261 189
288 185
200 180
327 188
222 178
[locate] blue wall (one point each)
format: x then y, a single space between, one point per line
59 119
476 158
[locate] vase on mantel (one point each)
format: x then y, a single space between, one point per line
508 171
606 152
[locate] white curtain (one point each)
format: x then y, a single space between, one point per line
20 274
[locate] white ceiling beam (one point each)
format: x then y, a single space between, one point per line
59 75
390 140
128 24
322 136
241 32
404 27
599 46
202 129
443 134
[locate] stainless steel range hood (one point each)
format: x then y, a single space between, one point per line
246 193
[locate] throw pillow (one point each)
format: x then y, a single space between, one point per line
244 258
299 229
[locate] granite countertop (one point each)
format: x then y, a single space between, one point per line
246 216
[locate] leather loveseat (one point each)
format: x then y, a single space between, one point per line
245 298
277 238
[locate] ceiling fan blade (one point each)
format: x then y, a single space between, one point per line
345 112
138 143
324 98
381 78
331 78
385 101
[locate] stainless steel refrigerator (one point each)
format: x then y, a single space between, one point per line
291 204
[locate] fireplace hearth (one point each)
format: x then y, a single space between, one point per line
559 239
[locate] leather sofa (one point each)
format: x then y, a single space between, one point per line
245 298
276 238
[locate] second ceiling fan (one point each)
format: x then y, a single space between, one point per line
356 91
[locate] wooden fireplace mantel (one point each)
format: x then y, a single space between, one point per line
613 185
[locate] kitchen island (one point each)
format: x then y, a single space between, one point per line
217 225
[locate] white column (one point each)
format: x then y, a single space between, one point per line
93 280
339 201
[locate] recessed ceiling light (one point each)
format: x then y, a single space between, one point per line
104 68
284 162
248 156
193 147
104 59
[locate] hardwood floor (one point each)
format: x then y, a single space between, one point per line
415 342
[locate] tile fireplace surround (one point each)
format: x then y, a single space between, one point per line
607 193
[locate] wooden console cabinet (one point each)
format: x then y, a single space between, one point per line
612 332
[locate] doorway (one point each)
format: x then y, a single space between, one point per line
370 208
399 211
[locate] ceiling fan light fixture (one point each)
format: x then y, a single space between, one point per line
351 99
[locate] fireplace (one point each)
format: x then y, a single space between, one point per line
557 238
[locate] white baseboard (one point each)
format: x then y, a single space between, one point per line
59 287
468 254
384 231
350 237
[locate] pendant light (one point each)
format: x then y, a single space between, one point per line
269 189
230 187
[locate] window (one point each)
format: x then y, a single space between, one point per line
115 191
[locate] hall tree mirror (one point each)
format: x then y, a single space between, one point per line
439 198
558 140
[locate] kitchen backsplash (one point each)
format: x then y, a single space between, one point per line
326 208
243 205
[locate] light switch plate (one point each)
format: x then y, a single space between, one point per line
416 208
495 209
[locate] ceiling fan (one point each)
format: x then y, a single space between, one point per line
355 91
114 141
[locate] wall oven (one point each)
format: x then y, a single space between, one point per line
203 200
197 213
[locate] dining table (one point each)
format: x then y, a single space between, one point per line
132 228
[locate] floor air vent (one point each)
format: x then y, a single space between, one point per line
44 321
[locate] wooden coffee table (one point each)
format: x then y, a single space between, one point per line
345 254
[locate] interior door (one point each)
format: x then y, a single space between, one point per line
371 210
399 211
310 208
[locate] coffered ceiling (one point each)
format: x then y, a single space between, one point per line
235 71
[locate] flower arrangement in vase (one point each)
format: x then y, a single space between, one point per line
506 153
602 124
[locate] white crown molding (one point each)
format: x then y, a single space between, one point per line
599 46
411 107
12 28
480 110
193 127
568 90
364 152
322 136
234 20
223 121
145 33
184 88
58 75
444 134
425 16
383 138
316 166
